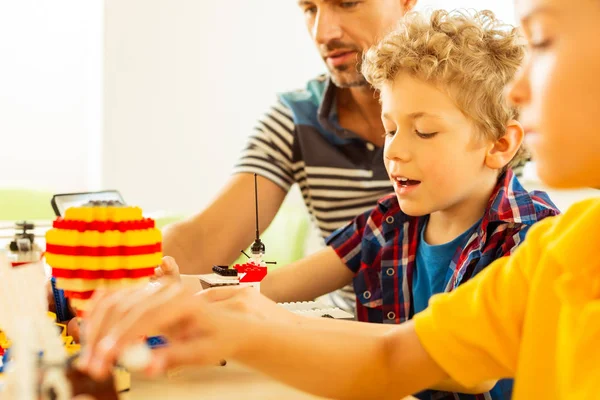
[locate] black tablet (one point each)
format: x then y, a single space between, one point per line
60 202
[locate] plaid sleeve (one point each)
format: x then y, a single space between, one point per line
347 241
269 149
543 207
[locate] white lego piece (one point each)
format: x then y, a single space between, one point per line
216 280
303 305
333 312
24 319
136 357
316 309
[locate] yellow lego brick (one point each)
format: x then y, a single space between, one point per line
72 348
62 237
101 213
122 379
4 341
80 214
112 238
109 263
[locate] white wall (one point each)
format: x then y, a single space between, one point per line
50 87
186 80
504 9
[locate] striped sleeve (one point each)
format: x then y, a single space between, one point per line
269 149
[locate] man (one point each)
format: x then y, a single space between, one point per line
327 138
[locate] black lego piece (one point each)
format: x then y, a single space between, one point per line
223 270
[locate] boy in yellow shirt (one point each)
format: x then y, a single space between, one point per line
534 316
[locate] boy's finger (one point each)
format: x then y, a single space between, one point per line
198 352
169 265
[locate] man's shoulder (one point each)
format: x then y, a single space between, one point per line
304 103
312 92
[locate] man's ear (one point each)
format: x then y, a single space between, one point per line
502 151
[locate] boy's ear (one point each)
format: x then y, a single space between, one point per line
504 149
408 5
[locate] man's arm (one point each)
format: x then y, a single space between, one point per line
217 234
307 279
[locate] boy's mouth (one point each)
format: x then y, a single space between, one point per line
405 182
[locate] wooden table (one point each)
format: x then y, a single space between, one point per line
223 383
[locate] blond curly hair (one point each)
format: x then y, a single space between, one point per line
472 55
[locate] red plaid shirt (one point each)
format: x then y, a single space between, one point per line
380 247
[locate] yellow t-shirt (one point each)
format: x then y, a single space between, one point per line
534 316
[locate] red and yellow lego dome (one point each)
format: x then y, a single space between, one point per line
101 244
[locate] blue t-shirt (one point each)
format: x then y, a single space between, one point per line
430 276
432 267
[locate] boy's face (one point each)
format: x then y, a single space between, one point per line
559 87
430 142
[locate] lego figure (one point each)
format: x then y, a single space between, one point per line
250 273
22 249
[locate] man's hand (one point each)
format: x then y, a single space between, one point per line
168 269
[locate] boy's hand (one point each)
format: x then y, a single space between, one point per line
168 269
201 328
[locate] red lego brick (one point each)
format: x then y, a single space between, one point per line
102 274
103 251
253 272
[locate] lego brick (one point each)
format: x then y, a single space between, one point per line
112 238
102 274
103 251
81 285
103 263
250 272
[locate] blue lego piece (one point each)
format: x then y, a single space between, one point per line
155 342
5 359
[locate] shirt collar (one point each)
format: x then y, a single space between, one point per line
327 113
509 203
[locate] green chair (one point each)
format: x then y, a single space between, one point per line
25 204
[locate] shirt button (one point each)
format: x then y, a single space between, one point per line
370 146
390 271
391 315
389 220
367 295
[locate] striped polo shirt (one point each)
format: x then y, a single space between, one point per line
299 140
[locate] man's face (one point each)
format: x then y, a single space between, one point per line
343 30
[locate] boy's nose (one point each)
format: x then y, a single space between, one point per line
395 150
518 92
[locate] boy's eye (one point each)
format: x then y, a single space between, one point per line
541 45
425 135
349 4
389 133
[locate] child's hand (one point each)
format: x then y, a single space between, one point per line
168 269
201 328
73 329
